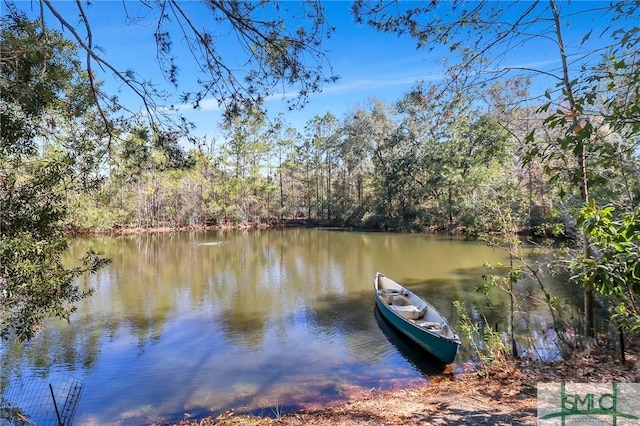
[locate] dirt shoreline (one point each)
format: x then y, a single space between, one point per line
498 394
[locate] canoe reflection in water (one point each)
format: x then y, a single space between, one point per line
422 360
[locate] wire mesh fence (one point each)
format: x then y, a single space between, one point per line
40 401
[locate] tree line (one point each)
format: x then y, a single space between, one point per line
377 167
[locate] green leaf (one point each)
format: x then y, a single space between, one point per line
562 193
530 137
620 65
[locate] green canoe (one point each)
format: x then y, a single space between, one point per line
416 318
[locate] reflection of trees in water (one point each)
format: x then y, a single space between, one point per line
257 282
341 314
242 330
533 322
72 348
255 278
291 274
74 345
347 316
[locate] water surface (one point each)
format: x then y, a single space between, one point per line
194 324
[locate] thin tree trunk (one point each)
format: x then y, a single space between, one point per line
589 316
328 190
280 190
450 206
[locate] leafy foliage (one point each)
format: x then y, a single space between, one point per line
34 284
487 342
38 83
614 271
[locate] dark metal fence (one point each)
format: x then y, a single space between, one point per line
40 401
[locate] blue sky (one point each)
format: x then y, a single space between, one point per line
369 64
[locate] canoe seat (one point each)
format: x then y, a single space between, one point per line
409 311
433 326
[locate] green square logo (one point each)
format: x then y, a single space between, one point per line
588 404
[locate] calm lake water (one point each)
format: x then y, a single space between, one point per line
194 324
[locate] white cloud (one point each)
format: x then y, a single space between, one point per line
205 105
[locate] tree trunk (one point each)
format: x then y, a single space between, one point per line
589 316
450 206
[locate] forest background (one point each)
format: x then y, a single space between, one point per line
485 150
